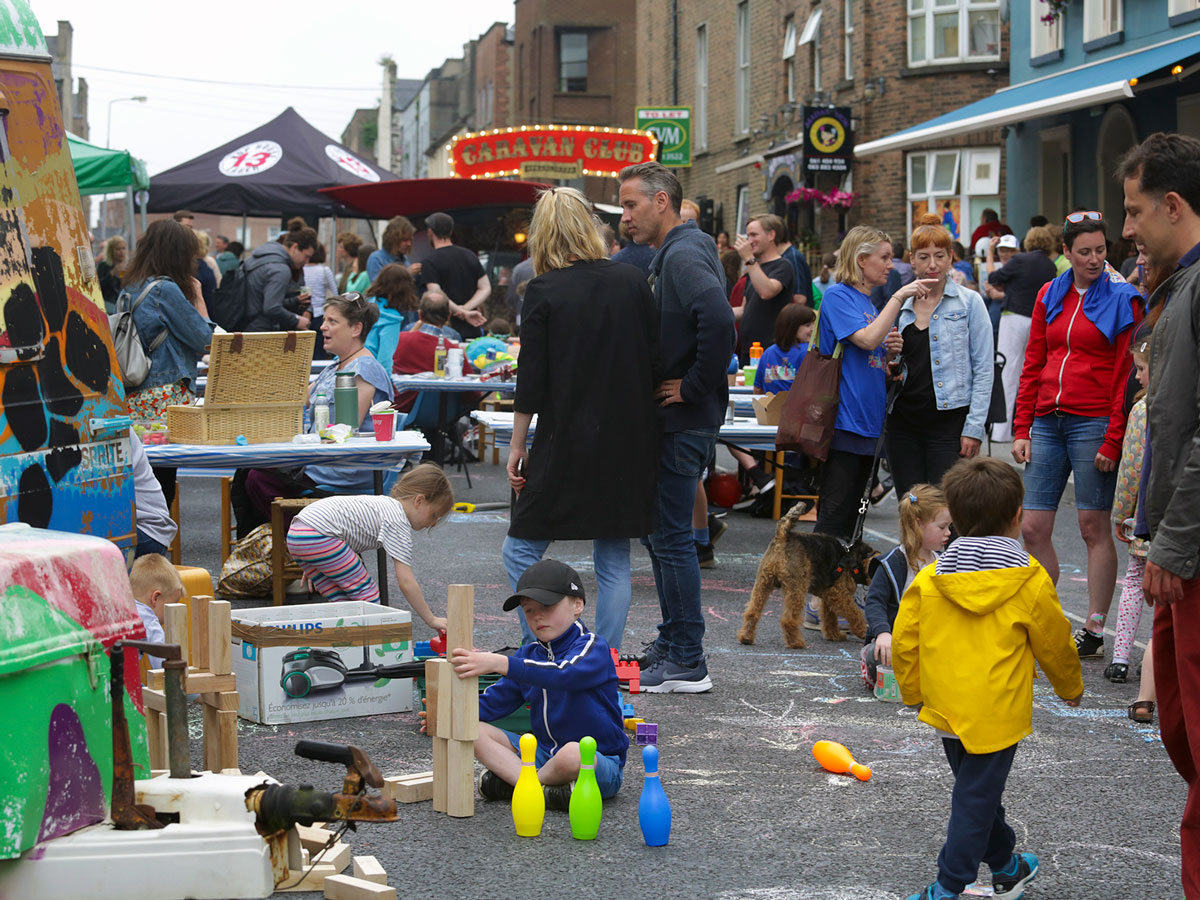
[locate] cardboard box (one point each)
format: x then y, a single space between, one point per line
320 661
767 407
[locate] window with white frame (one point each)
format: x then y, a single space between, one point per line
1044 37
946 31
1102 18
1179 7
955 185
789 58
812 36
701 111
848 38
742 95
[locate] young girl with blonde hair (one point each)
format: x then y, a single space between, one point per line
924 530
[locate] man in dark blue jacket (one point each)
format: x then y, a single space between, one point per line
696 340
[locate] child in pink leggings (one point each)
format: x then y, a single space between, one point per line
326 538
1129 613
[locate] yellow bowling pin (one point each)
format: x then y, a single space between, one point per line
528 799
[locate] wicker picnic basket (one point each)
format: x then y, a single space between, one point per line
257 387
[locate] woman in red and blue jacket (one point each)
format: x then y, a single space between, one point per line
1070 413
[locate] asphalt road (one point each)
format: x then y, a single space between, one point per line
1092 793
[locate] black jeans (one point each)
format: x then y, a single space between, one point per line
843 478
977 831
921 452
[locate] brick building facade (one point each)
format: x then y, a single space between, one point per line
748 68
494 73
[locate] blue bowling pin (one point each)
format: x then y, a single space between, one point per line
654 812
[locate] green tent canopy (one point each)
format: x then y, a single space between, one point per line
101 171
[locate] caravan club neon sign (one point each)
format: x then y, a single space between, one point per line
549 151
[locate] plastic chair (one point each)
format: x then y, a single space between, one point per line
426 415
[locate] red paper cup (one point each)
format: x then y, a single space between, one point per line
384 424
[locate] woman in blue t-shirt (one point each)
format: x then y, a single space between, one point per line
869 340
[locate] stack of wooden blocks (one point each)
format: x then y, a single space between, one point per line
208 648
315 862
452 712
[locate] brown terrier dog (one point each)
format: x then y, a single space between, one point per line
801 564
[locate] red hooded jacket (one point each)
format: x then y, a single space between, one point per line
1070 366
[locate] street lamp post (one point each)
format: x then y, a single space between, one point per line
108 146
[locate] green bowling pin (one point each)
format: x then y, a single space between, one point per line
585 808
528 799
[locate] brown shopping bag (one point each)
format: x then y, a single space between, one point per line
806 421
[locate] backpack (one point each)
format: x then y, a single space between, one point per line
230 306
132 355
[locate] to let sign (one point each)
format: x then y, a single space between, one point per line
672 125
828 140
548 151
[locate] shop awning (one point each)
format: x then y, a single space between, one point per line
1091 85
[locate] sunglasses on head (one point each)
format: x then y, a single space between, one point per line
1076 217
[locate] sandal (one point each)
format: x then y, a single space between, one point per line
1142 711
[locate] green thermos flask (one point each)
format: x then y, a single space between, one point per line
345 400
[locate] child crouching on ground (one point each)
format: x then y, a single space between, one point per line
924 530
326 538
568 679
967 635
155 583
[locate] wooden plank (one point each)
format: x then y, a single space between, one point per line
227 737
199 632
156 736
410 788
196 682
219 699
220 638
212 741
154 700
175 626
345 887
439 774
313 881
460 778
368 868
337 856
464 692
438 679
313 838
295 852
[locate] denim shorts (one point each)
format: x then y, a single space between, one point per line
609 772
1060 445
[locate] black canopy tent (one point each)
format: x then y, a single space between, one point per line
276 169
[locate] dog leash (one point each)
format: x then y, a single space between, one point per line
865 502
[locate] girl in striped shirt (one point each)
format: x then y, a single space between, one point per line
327 537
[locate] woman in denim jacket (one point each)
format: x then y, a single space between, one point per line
164 262
949 361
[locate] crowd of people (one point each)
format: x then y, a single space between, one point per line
1097 372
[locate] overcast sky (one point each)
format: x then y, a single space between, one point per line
263 57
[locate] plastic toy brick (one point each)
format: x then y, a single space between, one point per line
646 733
628 670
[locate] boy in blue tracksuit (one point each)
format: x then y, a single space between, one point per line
568 679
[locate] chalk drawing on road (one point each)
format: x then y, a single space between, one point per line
805 892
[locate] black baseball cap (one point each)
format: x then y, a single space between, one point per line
547 582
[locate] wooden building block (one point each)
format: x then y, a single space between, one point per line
345 887
368 868
219 637
198 625
227 738
211 759
295 851
312 881
154 700
156 735
220 699
196 682
409 788
464 692
439 678
337 856
175 626
460 778
313 838
439 774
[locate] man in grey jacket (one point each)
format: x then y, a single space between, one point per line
695 345
270 271
1162 212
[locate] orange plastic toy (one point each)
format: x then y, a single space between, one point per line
836 758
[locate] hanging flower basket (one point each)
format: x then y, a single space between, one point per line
836 197
1054 10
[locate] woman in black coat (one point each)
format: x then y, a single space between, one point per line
588 367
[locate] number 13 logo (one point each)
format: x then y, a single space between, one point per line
250 159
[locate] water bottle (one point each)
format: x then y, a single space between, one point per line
320 413
756 351
345 400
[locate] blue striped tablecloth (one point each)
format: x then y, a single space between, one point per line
357 453
743 432
430 383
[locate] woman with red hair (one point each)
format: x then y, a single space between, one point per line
948 367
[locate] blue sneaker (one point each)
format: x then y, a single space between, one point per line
811 620
667 677
1010 885
934 892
